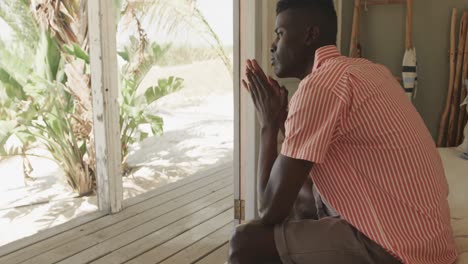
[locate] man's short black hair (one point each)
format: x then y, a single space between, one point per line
323 10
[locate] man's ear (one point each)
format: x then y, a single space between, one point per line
313 35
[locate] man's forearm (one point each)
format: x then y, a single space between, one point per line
267 156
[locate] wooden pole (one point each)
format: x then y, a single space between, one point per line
463 93
105 89
353 48
409 24
455 101
445 113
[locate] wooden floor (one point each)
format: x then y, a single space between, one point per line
186 222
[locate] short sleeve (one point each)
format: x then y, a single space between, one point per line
313 123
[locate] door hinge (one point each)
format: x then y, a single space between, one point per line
239 209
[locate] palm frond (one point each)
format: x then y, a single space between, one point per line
66 20
14 64
48 57
18 16
180 19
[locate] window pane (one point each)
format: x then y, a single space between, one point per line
175 62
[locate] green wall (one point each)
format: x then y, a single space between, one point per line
383 38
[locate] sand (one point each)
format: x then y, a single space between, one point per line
198 134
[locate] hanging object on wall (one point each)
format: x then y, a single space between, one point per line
464 145
463 116
409 72
355 47
456 99
453 118
445 113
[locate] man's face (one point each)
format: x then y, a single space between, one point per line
288 50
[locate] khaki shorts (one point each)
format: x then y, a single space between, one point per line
330 240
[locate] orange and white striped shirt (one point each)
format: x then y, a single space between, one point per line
375 161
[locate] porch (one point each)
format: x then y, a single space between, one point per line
186 222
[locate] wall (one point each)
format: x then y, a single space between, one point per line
383 36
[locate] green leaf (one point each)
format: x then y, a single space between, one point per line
143 136
7 129
75 50
165 87
83 148
48 57
157 124
18 16
133 41
124 55
26 136
12 88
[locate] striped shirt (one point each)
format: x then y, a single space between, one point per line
375 161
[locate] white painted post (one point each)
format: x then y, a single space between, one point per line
237 93
253 50
103 55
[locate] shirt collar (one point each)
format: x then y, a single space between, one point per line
323 54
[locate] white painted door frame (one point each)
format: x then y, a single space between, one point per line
236 97
252 49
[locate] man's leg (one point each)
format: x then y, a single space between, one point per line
330 240
253 243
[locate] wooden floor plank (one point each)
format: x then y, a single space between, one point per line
137 226
219 256
45 234
184 240
219 170
121 238
202 248
161 236
101 223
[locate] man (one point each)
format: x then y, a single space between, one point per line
351 129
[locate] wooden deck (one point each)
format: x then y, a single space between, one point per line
186 222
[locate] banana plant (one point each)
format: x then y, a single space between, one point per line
55 128
133 105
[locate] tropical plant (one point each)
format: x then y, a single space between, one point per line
56 128
57 122
51 121
54 33
140 56
15 66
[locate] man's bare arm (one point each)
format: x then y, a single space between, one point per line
279 178
278 194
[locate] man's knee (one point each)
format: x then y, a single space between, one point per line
240 237
240 243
